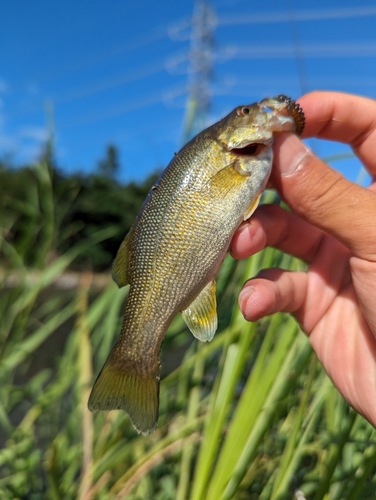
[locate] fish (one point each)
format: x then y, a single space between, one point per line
172 253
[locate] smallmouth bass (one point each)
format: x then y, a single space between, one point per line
175 247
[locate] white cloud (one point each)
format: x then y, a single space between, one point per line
25 145
38 134
25 142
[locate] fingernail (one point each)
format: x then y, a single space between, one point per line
244 297
246 292
244 225
289 152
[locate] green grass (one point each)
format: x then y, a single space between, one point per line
250 415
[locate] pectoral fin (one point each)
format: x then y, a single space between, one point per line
201 315
120 265
252 207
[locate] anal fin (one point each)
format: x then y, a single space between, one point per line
201 315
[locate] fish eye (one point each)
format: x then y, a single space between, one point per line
245 111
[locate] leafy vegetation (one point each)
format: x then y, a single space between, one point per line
78 206
250 415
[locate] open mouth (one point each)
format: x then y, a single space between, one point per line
253 149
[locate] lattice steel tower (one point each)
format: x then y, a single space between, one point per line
201 68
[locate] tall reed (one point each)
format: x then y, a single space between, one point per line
250 415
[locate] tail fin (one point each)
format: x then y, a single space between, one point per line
116 389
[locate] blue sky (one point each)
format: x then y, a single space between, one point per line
118 71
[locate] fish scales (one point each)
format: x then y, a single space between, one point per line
172 253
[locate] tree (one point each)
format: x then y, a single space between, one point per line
109 166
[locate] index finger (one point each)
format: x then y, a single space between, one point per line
344 118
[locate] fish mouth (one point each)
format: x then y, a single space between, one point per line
252 149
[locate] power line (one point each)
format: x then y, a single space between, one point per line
298 50
318 50
202 57
167 30
178 31
302 15
230 81
168 64
124 108
111 83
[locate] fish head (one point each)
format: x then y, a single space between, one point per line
256 123
248 131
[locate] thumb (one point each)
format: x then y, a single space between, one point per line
323 197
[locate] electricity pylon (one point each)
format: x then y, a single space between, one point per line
201 68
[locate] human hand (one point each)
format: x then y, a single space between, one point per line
333 228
